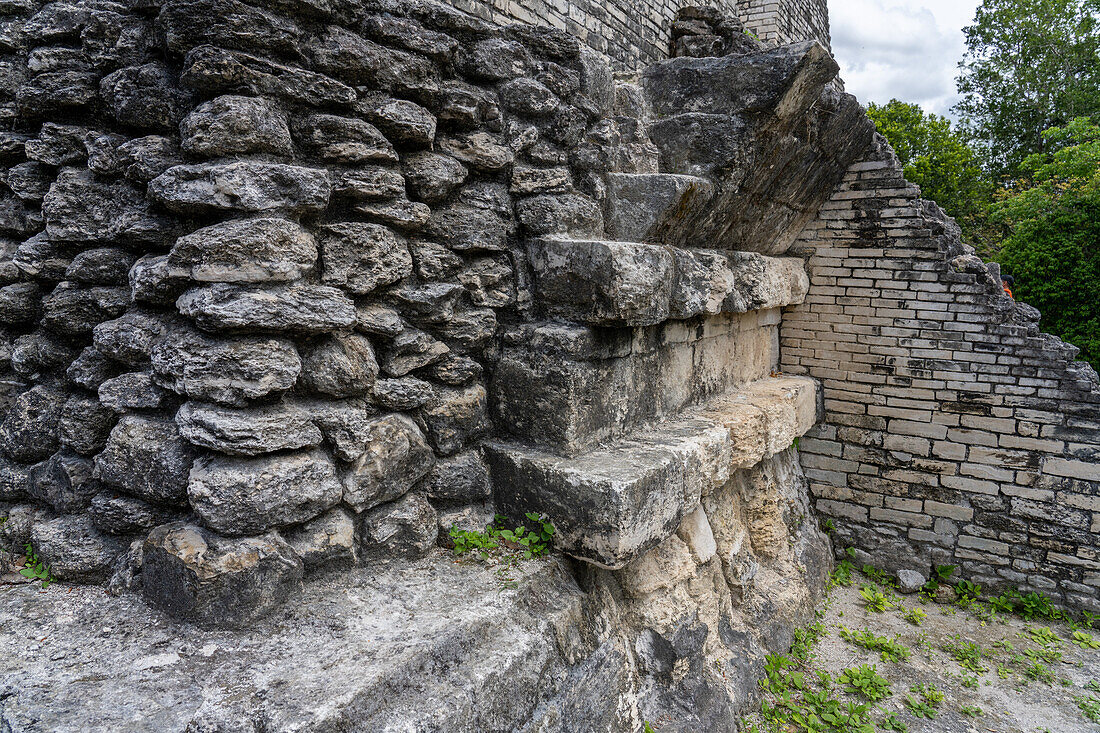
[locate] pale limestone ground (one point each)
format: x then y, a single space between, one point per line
1012 705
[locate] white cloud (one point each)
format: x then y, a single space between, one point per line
909 51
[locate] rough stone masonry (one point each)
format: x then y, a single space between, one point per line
290 289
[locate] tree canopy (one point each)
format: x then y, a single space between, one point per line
937 159
1053 250
1030 65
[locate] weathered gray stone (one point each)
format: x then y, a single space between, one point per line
30 181
370 182
529 97
456 418
74 549
91 368
411 349
405 393
404 528
408 216
63 481
249 431
351 57
345 424
378 319
469 330
145 97
196 575
346 140
603 282
227 370
57 93
490 282
244 251
72 309
116 513
29 430
910 581
479 150
232 124
144 158
129 339
291 308
152 282
103 266
432 177
245 186
81 207
133 391
642 206
394 458
240 496
41 258
460 479
494 59
434 262
362 257
455 370
569 213
84 424
431 302
20 302
14 482
36 355
340 366
230 24
327 542
146 458
406 123
218 70
463 228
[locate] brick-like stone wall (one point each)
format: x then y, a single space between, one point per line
634 34
787 21
955 432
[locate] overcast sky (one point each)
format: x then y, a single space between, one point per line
906 50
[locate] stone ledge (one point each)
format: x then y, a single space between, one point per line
614 503
632 284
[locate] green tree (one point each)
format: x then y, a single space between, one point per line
938 160
1030 65
1053 249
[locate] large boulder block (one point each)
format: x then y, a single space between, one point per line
146 457
395 457
241 496
248 186
404 528
640 205
196 575
75 550
327 542
230 370
263 249
81 207
247 431
29 431
298 308
232 125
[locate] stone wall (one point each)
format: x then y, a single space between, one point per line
254 265
634 34
955 432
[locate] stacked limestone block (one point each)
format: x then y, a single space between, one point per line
955 431
254 268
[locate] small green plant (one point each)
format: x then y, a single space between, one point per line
1089 618
931 694
1093 685
1039 672
944 573
1043 635
805 639
34 568
966 653
1002 603
527 543
967 590
891 722
969 680
843 574
875 599
1084 640
919 708
1035 605
971 711
1089 705
648 728
828 526
865 681
890 650
915 616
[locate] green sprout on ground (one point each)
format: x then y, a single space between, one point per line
971 711
34 568
890 650
876 600
915 616
499 538
1084 640
891 722
865 681
967 654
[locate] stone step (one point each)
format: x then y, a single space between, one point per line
633 284
642 206
565 387
612 504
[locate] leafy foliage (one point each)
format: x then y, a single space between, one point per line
1053 249
498 537
34 568
939 160
865 681
1030 65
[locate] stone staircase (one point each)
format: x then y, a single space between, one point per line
650 374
